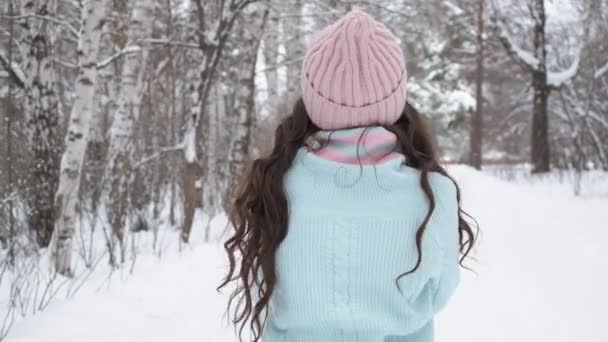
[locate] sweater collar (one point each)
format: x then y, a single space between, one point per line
358 145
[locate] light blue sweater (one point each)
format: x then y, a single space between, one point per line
351 232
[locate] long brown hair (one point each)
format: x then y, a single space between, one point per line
259 213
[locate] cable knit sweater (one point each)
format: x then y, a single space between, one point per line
351 232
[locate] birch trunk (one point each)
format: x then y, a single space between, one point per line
192 174
77 135
294 52
270 48
211 43
213 172
42 118
118 175
245 100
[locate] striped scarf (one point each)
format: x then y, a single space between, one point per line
358 145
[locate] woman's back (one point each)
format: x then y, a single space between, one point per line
356 239
351 233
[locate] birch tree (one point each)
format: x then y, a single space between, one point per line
215 22
118 175
66 199
295 50
41 110
245 110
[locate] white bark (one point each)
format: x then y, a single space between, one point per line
244 103
77 135
42 113
127 114
295 51
118 173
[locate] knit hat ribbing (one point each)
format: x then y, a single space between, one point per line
354 74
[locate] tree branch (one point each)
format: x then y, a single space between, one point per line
158 153
172 43
14 71
125 51
557 79
63 23
521 56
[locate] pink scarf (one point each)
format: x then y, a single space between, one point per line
359 145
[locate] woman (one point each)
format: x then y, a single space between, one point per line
349 230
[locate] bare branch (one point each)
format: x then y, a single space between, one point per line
125 51
158 153
172 43
521 56
59 22
557 79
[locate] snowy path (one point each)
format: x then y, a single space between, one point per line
543 276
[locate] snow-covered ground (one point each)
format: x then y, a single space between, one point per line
542 275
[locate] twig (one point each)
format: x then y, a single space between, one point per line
155 155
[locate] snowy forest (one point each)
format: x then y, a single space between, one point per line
125 122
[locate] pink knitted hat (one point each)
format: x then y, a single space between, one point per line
354 74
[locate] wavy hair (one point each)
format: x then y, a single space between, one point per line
259 211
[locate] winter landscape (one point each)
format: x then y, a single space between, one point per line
126 122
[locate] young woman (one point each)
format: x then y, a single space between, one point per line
349 230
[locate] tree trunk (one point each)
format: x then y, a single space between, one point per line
294 51
270 49
212 45
42 119
192 189
245 100
540 152
477 122
77 135
119 173
10 238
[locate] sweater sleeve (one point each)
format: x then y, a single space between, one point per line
444 225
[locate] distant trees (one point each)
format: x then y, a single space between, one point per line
160 103
215 23
543 81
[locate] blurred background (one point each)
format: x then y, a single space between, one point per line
124 123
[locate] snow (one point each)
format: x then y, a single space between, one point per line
523 55
601 71
457 100
455 10
541 276
556 79
189 144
